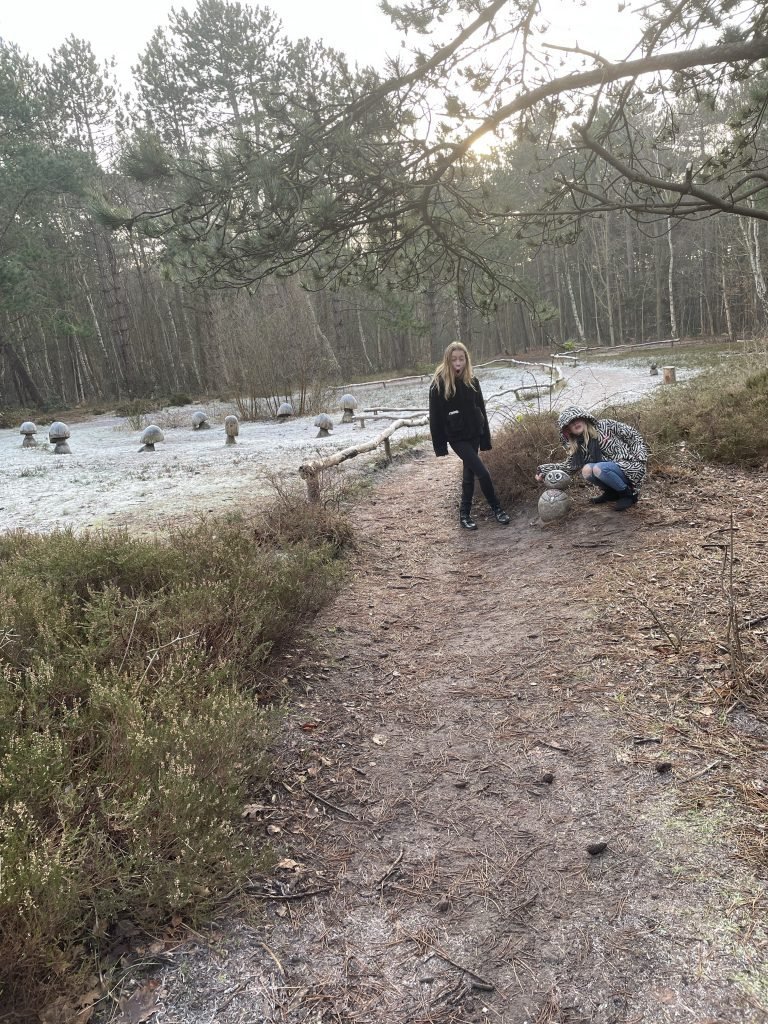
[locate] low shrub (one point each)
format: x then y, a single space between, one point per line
135 411
179 398
132 697
522 444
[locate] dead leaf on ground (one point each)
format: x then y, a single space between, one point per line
379 740
72 1011
286 864
141 1004
253 810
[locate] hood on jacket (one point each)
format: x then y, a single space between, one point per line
571 413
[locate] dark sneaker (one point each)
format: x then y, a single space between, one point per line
626 500
605 496
501 516
467 521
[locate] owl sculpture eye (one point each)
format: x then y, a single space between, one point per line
558 479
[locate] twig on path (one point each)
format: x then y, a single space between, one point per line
524 904
232 996
391 868
333 807
552 746
479 982
250 891
696 775
267 950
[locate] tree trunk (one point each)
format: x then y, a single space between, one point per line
26 388
670 281
574 307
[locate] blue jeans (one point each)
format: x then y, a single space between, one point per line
611 475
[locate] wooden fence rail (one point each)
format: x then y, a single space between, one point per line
310 471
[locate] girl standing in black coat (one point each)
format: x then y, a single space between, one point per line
457 418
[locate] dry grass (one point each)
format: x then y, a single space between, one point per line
519 447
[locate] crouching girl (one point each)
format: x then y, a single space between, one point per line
610 455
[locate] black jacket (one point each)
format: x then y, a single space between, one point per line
461 417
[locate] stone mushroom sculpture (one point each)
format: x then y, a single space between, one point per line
151 436
555 503
231 428
28 429
285 411
325 423
200 421
654 370
58 433
348 404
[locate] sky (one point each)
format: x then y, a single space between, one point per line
122 30
356 27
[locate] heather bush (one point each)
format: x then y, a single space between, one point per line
135 723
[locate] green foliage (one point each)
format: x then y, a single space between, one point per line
130 687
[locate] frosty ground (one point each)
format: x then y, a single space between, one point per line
107 482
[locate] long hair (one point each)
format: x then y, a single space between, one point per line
444 378
575 442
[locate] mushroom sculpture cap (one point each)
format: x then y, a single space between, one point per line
152 435
348 402
198 418
232 426
286 409
28 428
58 431
324 421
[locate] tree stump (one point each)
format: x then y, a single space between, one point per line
670 374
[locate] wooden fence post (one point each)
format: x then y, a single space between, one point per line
313 485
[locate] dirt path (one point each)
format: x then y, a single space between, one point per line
468 728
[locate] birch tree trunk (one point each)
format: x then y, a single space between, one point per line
751 236
574 307
670 281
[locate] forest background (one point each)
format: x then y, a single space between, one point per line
255 217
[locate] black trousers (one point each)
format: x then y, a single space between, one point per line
473 467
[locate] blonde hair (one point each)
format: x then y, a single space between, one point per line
444 378
574 442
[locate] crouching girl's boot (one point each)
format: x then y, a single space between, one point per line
626 499
500 515
606 494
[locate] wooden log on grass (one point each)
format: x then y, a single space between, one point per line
310 471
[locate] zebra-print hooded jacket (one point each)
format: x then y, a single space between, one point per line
618 442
